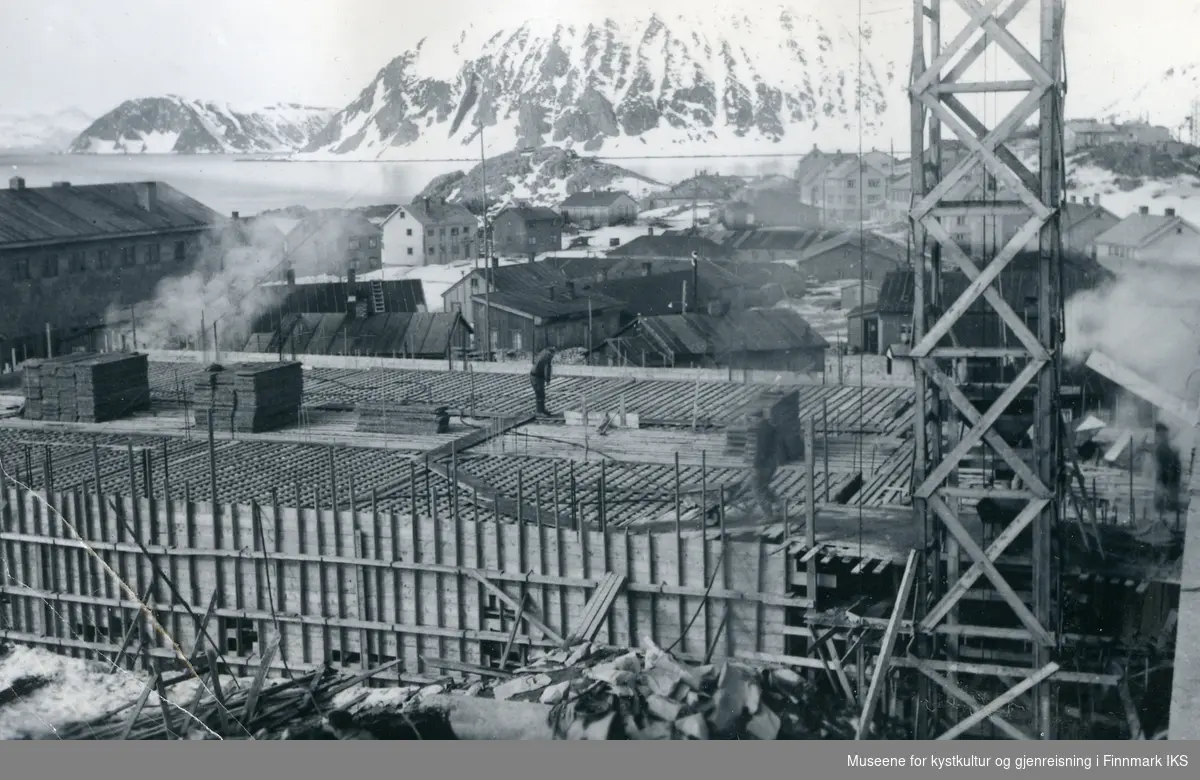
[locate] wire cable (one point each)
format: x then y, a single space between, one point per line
862 275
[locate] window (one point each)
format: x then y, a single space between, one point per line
20 269
403 215
873 199
906 333
127 258
431 232
104 260
533 240
408 232
153 254
372 243
960 220
410 250
354 243
454 231
180 251
851 184
517 340
474 283
77 263
872 182
442 231
430 250
49 266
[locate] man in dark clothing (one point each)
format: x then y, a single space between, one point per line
539 377
1168 474
766 461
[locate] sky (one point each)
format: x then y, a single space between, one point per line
93 54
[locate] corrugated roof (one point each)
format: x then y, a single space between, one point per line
1137 230
600 199
670 246
400 295
57 214
423 334
538 303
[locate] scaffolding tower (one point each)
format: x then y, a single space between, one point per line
936 93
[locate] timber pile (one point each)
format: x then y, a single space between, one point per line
250 397
384 417
86 387
782 409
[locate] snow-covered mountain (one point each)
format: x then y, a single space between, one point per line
172 124
695 84
41 132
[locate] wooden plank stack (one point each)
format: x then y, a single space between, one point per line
250 397
384 417
782 409
86 387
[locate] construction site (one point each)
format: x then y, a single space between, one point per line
937 559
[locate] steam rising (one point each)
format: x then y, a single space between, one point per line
226 283
1149 323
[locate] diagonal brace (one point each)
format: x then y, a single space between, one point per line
1001 701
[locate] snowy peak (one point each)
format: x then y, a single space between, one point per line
173 124
693 84
41 132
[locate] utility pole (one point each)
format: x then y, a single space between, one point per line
487 251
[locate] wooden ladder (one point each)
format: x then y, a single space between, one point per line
378 304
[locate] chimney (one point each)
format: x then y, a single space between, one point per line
570 289
551 292
1143 209
351 277
1170 212
1087 201
61 184
649 231
647 268
495 262
1073 199
1096 199
16 183
291 277
234 215
148 195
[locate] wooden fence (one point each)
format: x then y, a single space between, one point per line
362 588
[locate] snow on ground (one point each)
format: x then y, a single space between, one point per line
1181 193
821 307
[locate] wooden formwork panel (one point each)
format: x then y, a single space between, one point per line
363 588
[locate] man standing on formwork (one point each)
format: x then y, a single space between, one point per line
539 377
765 463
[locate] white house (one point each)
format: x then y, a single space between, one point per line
1144 240
429 231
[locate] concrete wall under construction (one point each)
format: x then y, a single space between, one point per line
366 588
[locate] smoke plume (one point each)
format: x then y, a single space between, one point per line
1148 323
226 284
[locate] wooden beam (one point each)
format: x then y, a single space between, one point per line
969 700
514 606
953 87
1143 388
883 662
1000 702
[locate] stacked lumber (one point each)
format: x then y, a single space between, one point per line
249 397
385 417
87 387
782 409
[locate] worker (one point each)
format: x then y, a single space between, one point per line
766 461
539 376
1168 474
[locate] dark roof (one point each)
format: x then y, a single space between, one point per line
777 240
651 295
516 277
530 213
538 303
432 211
766 330
670 246
55 214
868 241
601 199
409 333
700 334
399 295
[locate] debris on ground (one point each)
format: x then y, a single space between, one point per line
587 691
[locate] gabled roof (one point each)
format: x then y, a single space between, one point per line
515 277
339 222
538 303
816 162
529 214
36 215
600 199
678 334
1084 222
669 246
766 330
435 211
652 295
872 243
1139 230
847 169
